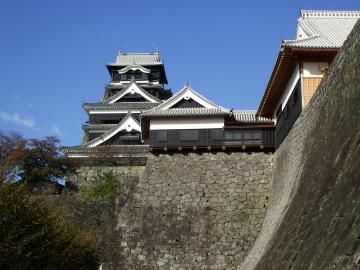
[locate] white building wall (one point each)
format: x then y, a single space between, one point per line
314 69
166 124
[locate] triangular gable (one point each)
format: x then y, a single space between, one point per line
128 124
133 88
134 68
187 103
187 93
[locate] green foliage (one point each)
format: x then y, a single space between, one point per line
34 234
108 188
32 161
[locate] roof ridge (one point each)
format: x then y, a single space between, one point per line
304 13
250 111
309 29
290 41
185 88
139 53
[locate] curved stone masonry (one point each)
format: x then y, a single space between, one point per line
313 220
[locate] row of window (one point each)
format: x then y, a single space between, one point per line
228 135
242 135
136 75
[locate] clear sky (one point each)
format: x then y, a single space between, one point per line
53 53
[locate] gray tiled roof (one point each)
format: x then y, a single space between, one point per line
104 135
110 149
98 126
186 112
323 29
159 110
119 106
141 59
249 116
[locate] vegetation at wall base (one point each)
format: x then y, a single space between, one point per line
108 188
34 234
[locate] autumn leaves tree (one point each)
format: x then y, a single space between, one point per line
34 231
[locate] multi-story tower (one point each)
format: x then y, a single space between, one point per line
137 84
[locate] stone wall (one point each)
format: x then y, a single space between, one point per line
99 213
313 220
194 211
91 175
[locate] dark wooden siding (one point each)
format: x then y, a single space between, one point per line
253 136
136 75
211 137
124 138
93 136
109 118
186 138
190 103
287 117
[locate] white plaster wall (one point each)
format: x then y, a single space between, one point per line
314 69
166 124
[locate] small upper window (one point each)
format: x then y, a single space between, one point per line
278 112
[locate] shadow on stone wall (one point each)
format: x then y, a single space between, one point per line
98 211
195 211
313 220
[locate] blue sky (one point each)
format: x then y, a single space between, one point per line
53 53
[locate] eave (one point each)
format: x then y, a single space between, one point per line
115 66
285 63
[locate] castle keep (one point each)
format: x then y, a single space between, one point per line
233 189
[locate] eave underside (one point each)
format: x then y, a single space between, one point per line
286 61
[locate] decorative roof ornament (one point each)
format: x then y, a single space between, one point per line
133 68
186 85
329 14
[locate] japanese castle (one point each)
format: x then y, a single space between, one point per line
138 114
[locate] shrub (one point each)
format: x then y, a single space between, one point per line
34 234
107 188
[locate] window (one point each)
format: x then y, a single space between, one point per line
217 134
252 135
243 135
162 135
294 95
189 135
138 75
233 135
278 112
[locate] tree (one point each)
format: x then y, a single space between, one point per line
34 230
32 161
34 234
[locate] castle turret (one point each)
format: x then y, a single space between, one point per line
137 84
